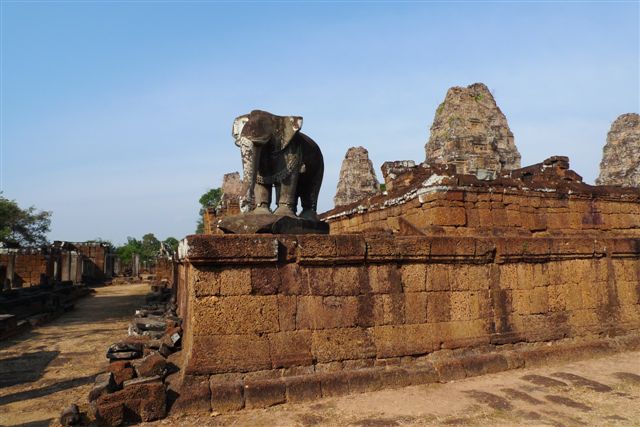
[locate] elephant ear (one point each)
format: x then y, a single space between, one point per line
238 124
291 125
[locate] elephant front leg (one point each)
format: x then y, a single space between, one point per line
287 199
263 199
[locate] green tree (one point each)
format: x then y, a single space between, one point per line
25 227
150 247
126 251
172 242
209 199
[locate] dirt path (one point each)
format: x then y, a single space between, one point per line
52 366
596 392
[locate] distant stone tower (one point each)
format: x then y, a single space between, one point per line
470 132
621 154
357 177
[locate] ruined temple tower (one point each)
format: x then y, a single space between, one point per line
470 132
357 177
621 155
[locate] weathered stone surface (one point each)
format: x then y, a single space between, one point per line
391 171
70 416
151 365
621 155
141 402
357 177
255 223
470 132
122 371
232 188
103 384
124 351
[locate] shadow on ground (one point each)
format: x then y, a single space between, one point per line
28 367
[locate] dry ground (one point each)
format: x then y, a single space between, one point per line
596 392
50 367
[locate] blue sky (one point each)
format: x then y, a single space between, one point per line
117 116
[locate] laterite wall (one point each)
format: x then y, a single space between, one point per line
299 307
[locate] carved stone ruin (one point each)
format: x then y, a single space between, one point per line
470 132
357 178
276 156
621 155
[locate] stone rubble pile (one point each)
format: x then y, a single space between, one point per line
134 388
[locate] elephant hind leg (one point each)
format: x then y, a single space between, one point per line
286 196
309 193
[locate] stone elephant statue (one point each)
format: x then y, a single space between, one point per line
276 154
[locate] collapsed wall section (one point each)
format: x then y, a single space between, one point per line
308 309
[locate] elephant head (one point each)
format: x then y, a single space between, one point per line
252 133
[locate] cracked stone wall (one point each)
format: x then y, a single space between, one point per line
621 155
470 132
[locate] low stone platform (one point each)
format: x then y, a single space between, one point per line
268 317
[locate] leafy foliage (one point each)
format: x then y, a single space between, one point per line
172 242
210 199
148 248
24 227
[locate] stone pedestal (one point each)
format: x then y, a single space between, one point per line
271 224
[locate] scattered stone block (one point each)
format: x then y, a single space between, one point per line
122 371
104 384
135 403
124 351
70 416
150 366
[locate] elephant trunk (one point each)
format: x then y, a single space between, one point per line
250 155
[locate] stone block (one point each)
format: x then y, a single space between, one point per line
438 277
380 249
234 281
265 393
449 370
226 396
349 280
438 307
460 303
365 316
303 389
364 380
385 278
293 280
103 384
205 281
395 377
481 364
228 353
290 349
287 309
316 248
265 280
194 396
414 277
415 307
334 384
341 344
231 249
467 333
235 315
143 402
151 365
315 312
410 248
404 340
469 277
122 371
350 248
388 309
